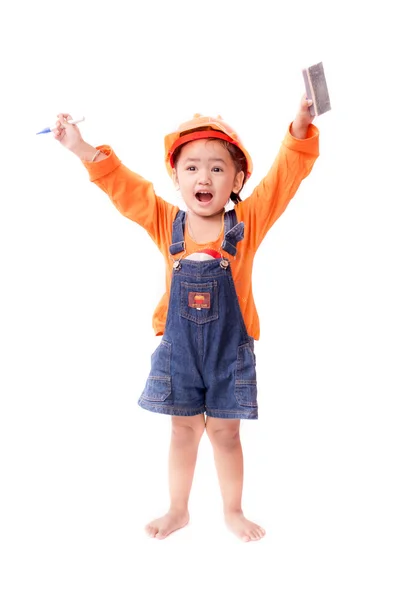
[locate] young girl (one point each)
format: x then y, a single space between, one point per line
205 362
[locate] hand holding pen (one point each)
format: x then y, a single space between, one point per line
66 132
68 120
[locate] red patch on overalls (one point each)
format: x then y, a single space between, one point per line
199 300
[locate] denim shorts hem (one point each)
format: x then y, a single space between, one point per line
231 414
170 410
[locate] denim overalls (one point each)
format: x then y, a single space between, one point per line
205 362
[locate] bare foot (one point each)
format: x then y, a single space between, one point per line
244 529
161 528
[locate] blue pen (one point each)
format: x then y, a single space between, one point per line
50 129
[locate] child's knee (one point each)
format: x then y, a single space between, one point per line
186 429
224 435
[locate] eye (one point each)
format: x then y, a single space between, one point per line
217 169
191 168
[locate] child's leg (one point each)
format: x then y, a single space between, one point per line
185 437
225 439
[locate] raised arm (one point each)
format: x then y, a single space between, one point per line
296 157
131 194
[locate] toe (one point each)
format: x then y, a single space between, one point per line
259 534
256 534
161 534
151 531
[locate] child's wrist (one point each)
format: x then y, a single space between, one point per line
85 151
299 129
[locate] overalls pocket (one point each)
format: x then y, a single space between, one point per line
199 301
245 376
158 385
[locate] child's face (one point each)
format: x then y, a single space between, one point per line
206 175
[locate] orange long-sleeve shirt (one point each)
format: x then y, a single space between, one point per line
135 198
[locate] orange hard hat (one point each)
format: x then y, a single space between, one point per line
201 127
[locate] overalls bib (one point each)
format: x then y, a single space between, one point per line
205 362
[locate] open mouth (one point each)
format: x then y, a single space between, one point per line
204 197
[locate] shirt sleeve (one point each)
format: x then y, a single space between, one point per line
133 196
270 198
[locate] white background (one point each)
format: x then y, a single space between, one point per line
83 468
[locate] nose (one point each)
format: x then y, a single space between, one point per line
204 177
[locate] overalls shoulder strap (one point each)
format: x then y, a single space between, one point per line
178 233
234 232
